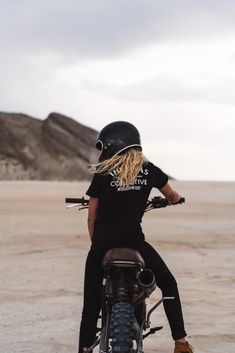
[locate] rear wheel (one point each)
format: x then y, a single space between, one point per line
121 328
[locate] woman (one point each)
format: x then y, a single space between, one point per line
118 194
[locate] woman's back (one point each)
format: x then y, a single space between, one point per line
121 207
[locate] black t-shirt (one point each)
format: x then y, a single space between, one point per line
120 209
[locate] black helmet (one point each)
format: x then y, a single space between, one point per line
117 137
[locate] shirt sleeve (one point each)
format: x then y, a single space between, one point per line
160 179
95 186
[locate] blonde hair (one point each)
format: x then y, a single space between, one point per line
125 167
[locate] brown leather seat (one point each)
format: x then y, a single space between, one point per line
123 254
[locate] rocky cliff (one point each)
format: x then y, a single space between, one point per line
57 148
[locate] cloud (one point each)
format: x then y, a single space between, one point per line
167 89
201 71
106 28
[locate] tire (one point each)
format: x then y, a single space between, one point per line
121 328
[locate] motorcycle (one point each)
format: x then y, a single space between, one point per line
125 287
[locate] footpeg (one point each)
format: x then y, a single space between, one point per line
152 331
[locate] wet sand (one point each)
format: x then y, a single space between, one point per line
43 248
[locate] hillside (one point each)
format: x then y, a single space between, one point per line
57 148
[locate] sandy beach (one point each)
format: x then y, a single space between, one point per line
43 248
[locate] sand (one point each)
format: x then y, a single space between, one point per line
43 248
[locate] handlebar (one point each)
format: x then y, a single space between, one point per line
155 202
160 202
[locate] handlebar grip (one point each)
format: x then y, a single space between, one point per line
77 200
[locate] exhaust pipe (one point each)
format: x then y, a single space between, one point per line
146 284
146 281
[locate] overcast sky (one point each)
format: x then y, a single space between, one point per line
166 66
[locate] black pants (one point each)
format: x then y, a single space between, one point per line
92 292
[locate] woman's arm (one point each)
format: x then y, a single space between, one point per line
171 195
93 204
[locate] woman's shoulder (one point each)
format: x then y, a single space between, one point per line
150 165
154 169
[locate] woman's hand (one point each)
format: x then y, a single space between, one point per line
170 194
